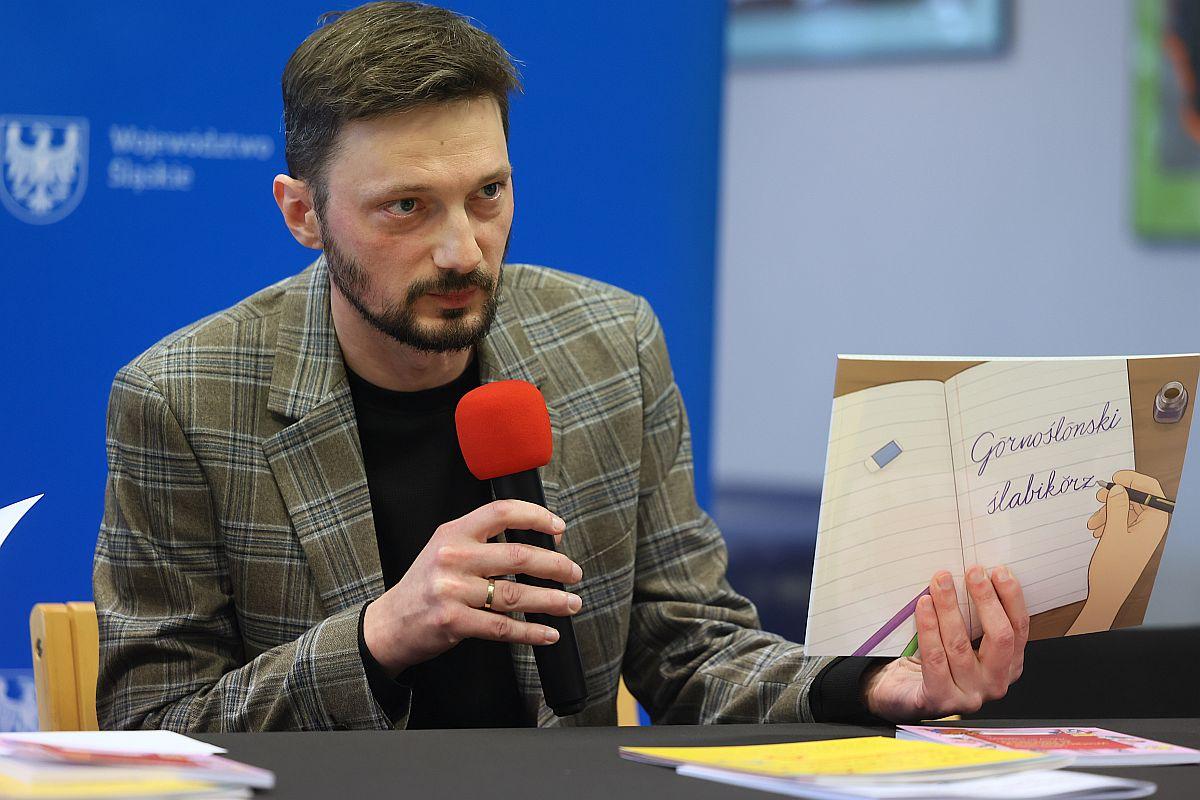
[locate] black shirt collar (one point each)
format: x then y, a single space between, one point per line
439 398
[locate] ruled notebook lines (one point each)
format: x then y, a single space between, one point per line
997 465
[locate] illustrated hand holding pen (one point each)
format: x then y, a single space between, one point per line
1130 526
1143 498
1142 494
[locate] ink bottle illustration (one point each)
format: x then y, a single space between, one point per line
1170 403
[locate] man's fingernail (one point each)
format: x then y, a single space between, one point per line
551 635
574 602
558 524
945 582
576 574
1002 574
975 575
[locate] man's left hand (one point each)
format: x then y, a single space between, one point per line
949 676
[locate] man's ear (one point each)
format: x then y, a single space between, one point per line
295 202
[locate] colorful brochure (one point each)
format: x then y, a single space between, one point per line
1035 785
121 764
1091 747
937 464
867 758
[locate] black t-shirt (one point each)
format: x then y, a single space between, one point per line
418 480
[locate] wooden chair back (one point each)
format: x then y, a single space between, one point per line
66 658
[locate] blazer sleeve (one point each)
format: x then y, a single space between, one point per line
171 652
695 652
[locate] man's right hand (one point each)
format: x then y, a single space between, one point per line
439 601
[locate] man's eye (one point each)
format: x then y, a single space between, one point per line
406 206
491 190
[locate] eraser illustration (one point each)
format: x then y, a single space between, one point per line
883 456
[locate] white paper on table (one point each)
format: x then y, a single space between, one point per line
11 515
162 743
1030 785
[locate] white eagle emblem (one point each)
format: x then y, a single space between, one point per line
43 166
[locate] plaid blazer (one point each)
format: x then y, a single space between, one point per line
238 547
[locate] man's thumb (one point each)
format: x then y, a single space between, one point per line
1116 509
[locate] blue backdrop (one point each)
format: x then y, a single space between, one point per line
614 147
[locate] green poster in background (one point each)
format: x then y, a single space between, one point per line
1167 119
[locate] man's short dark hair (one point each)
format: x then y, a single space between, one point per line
378 59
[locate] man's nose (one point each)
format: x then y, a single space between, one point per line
456 247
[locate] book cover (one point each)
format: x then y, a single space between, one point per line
942 463
1089 746
1042 784
78 762
878 758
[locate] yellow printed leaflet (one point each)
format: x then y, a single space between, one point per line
875 756
120 790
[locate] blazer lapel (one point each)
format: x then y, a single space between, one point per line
317 461
506 354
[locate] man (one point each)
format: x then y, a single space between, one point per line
291 539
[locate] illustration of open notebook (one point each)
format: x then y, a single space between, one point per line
939 464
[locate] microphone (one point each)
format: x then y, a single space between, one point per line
504 434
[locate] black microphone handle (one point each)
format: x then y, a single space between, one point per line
559 665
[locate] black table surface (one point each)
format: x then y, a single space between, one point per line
580 763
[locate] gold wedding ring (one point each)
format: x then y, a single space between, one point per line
487 604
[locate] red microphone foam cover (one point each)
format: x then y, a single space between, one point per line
503 429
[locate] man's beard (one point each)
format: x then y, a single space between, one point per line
399 320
